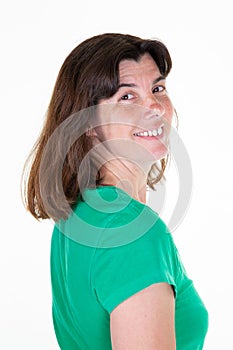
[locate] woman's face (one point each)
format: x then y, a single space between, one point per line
140 111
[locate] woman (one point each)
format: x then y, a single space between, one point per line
117 278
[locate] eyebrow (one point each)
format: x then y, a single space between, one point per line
161 77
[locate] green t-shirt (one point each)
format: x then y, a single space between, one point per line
110 248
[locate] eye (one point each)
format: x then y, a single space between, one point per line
159 88
127 97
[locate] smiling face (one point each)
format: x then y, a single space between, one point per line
140 110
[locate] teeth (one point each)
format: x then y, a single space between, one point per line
160 130
155 132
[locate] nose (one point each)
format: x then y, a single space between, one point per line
155 105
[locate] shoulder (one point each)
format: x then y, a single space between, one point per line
109 217
123 219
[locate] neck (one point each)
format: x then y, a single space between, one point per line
130 179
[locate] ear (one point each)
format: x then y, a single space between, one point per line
91 132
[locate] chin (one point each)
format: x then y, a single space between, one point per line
160 152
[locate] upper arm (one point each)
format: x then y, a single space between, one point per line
145 320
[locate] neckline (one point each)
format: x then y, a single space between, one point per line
118 189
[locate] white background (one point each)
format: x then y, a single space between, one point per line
36 37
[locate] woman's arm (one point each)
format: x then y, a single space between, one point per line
145 320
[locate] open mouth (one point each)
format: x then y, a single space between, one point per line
152 133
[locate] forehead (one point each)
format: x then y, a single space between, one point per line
146 66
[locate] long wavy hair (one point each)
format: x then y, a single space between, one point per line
88 74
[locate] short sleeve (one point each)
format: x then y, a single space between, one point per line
120 272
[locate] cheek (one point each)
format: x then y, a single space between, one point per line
109 132
169 111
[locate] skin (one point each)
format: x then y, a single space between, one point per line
146 319
141 103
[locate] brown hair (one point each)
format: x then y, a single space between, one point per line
89 73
